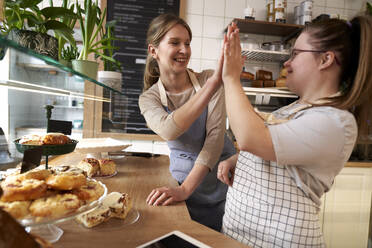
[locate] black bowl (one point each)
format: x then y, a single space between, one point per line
49 149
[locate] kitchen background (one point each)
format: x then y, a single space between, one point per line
208 18
346 211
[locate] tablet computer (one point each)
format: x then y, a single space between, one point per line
174 239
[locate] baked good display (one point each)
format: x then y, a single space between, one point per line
114 205
269 83
66 178
23 190
55 139
90 166
95 217
38 174
281 81
283 72
55 206
93 167
119 203
257 83
17 209
47 139
89 192
107 167
264 75
31 139
54 193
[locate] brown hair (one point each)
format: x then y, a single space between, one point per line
353 42
159 26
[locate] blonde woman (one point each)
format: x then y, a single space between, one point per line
186 109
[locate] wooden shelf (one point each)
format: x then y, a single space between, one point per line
267 28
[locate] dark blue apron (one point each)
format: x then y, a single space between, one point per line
206 204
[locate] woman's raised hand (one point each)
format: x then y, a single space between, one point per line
216 78
233 60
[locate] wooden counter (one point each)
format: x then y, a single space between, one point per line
138 176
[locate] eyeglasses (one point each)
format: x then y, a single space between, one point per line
294 52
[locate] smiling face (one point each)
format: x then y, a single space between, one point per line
173 52
302 66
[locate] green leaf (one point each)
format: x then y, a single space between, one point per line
28 3
110 24
66 36
105 57
369 8
55 12
53 24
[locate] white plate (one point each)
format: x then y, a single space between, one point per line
96 145
107 176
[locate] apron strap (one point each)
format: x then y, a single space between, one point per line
163 94
194 80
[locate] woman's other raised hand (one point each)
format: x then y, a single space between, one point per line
233 60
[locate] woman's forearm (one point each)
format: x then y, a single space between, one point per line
194 107
194 178
248 128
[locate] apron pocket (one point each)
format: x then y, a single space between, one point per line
181 163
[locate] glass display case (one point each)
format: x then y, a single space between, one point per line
28 83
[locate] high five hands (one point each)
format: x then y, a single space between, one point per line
230 62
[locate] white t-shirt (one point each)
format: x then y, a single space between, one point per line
314 146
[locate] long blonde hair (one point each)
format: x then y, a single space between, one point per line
353 41
159 26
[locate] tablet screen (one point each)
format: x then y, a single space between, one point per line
171 241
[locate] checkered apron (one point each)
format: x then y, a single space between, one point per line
265 208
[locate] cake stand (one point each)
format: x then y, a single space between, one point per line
46 227
48 149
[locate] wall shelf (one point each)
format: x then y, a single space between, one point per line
265 56
287 31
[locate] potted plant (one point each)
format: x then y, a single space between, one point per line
91 20
68 54
111 75
69 21
28 25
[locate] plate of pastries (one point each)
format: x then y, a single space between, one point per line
98 167
45 196
115 211
52 143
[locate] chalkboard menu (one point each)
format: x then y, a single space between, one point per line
133 18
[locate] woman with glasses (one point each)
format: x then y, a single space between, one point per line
290 158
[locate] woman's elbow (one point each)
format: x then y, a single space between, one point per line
243 146
168 136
